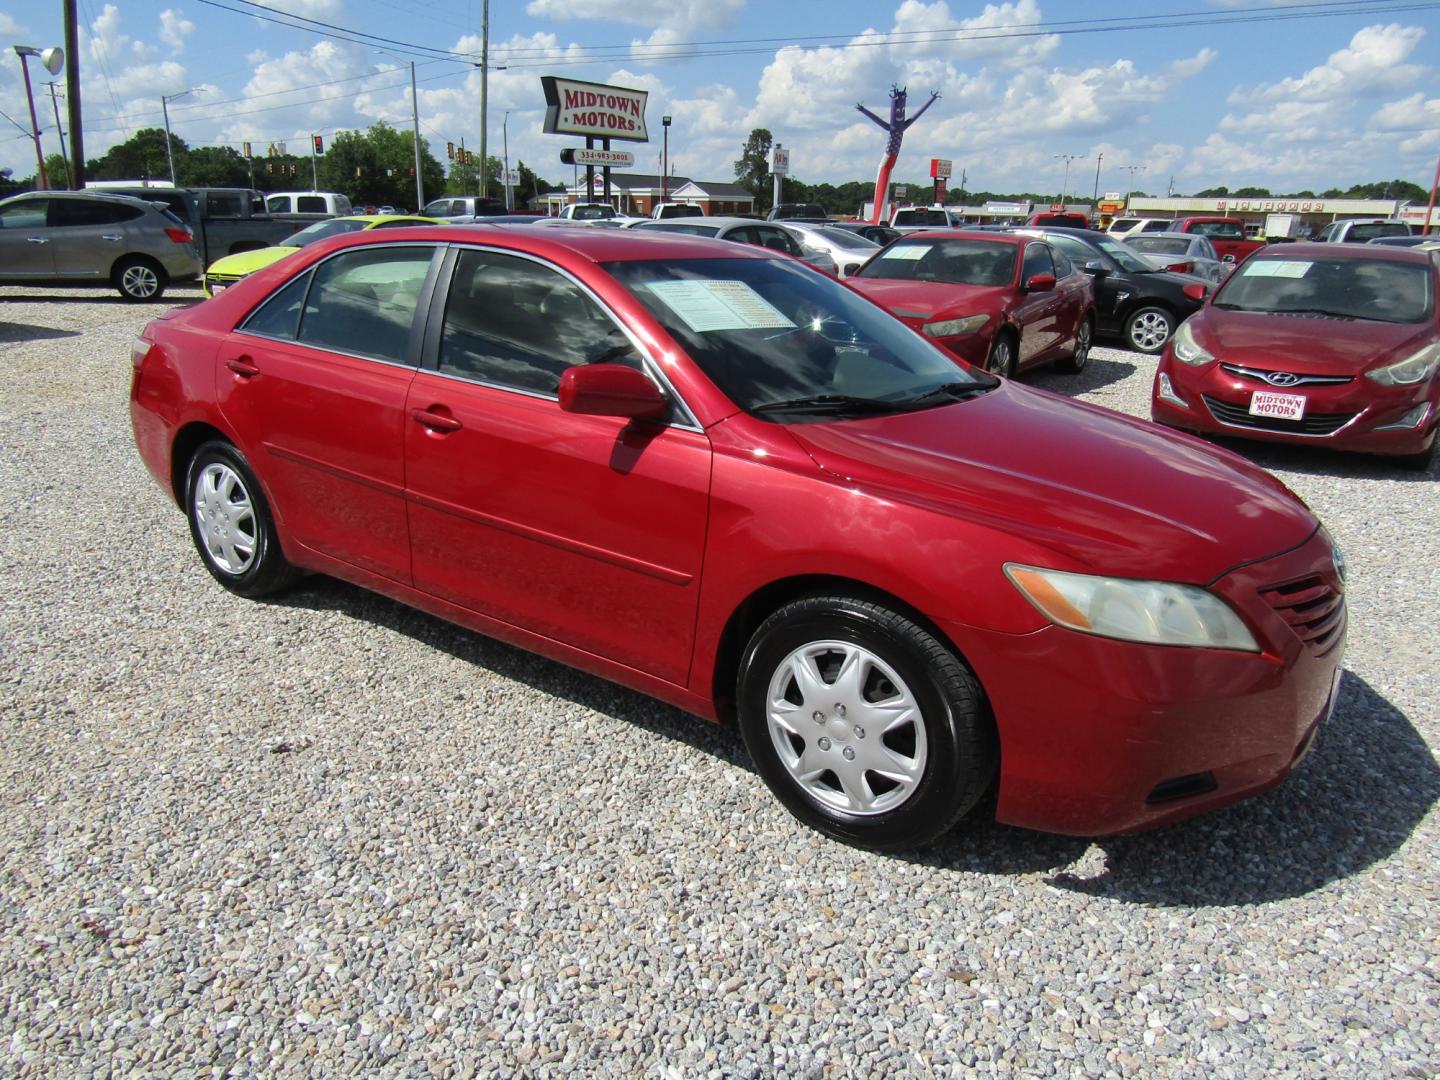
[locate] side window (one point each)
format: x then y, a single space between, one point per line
278 204
1075 249
780 240
517 324
29 214
1037 261
1207 250
342 204
279 317
438 208
224 204
74 213
1063 266
311 204
363 302
746 234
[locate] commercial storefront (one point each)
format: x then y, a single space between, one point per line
638 193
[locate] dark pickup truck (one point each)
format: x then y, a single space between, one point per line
224 220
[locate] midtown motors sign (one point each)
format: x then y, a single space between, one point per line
594 109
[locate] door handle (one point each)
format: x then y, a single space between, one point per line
36 240
112 236
435 421
242 366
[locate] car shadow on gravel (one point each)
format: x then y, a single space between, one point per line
14 333
1278 457
1354 801
1095 375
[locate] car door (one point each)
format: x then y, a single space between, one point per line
1037 312
1113 287
314 385
588 530
88 235
1075 292
26 250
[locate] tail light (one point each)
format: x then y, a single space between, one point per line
180 236
139 349
1182 267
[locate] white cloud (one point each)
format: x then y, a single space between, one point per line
1373 61
174 29
9 27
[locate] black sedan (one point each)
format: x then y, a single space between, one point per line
1133 300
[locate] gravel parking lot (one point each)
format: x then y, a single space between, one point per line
329 835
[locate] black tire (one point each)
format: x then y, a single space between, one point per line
1149 328
139 280
1004 354
1084 338
231 523
943 749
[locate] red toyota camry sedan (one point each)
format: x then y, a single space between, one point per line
1332 345
715 475
999 301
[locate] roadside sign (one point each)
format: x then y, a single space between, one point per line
510 178
940 168
615 159
780 161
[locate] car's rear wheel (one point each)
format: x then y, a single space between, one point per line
139 279
863 724
1149 328
1083 337
1003 355
231 523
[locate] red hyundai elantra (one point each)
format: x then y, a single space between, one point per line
1331 345
713 474
999 301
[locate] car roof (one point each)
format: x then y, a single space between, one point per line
1188 237
931 235
1373 252
596 245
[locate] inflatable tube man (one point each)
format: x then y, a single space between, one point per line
896 127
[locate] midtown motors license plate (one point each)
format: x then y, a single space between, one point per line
1277 406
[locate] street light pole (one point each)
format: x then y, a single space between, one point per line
165 100
665 159
54 60
505 137
60 134
1095 197
415 116
484 89
1065 183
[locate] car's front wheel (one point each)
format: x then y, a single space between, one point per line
231 523
1003 355
139 279
1149 328
863 724
1083 337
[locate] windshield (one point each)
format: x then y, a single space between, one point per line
322 229
592 213
921 217
1373 289
1127 259
770 331
1157 245
956 262
841 238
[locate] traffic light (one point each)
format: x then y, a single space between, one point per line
357 172
270 167
246 147
450 150
319 144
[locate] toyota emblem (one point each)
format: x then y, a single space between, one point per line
1281 378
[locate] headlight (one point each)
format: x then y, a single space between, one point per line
1153 612
1187 350
951 327
1413 369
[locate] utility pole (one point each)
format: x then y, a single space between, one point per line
59 131
72 97
415 116
962 185
165 100
1096 196
314 169
484 87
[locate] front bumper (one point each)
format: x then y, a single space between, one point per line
1359 415
1100 737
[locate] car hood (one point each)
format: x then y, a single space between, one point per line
919 302
1304 344
1108 493
247 262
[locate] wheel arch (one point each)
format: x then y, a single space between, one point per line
135 256
747 616
187 440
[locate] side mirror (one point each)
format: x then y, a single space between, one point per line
1227 258
1195 292
1096 269
611 390
1040 283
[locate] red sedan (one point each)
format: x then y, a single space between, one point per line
715 475
999 301
1313 344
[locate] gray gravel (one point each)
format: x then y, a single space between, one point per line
328 835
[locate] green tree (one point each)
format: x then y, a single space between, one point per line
752 170
140 157
1252 193
1213 193
377 167
212 166
57 171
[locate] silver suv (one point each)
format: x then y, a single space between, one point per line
79 238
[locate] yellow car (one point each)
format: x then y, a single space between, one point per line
227 271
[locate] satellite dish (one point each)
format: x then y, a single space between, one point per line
53 59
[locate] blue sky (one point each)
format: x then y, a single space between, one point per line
1297 102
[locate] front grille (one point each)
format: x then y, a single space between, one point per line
1259 375
1313 424
1313 609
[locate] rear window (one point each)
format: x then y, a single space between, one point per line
1218 230
1159 245
681 227
311 204
1360 234
921 217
